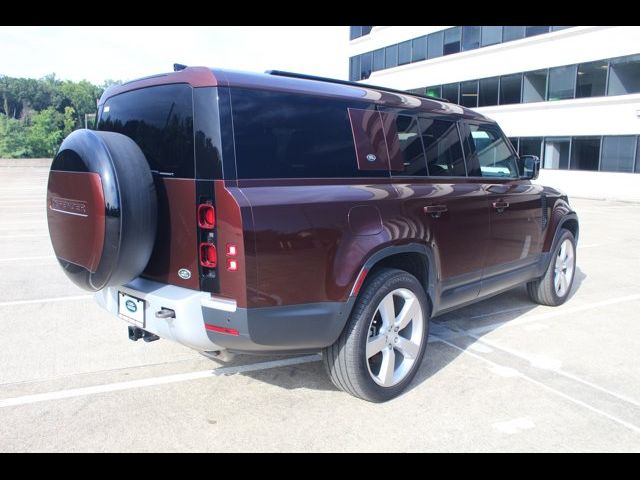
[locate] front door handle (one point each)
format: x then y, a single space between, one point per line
435 210
500 206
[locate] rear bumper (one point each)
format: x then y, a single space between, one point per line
286 328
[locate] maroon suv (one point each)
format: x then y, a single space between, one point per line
282 213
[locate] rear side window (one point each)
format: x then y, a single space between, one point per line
409 146
160 120
283 135
490 151
442 148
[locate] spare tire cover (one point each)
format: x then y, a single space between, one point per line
101 209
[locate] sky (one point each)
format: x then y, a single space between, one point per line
124 53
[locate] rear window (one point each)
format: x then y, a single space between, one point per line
160 120
283 135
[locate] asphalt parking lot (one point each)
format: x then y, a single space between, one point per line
501 375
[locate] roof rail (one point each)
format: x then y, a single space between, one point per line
304 76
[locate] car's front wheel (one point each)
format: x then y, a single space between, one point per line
382 345
554 287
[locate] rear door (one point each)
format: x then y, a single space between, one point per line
448 212
515 206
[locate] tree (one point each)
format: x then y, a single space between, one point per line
35 115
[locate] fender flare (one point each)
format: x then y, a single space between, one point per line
431 284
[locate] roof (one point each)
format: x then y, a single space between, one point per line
206 77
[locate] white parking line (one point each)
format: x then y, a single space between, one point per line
619 421
149 382
531 359
16 259
557 312
46 300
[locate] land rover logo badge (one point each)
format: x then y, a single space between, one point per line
184 274
371 157
131 306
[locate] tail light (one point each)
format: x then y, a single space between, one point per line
206 216
208 255
232 250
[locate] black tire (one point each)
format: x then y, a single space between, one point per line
101 209
345 360
543 290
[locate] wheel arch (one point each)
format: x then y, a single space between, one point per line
415 258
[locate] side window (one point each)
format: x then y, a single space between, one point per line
488 149
408 146
160 120
442 148
284 135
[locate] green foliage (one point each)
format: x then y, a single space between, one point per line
35 115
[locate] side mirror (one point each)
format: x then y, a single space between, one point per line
529 165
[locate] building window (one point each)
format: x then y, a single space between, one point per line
592 79
491 35
366 61
469 94
534 86
419 49
638 158
391 56
530 146
562 82
556 28
585 153
618 153
624 76
434 92
378 59
404 52
512 33
488 91
450 92
470 38
538 30
354 68
510 89
452 41
434 44
358 31
556 152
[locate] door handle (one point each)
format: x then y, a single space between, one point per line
435 210
500 205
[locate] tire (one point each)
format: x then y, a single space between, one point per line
363 374
554 287
101 209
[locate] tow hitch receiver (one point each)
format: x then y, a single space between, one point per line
136 334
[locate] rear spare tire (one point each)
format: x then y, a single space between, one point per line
101 209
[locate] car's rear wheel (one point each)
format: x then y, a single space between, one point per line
555 286
382 346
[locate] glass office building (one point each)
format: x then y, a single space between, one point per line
569 94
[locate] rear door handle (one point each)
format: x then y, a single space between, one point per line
500 205
435 210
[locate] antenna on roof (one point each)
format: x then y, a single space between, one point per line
178 66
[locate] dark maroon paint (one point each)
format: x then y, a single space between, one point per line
176 242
